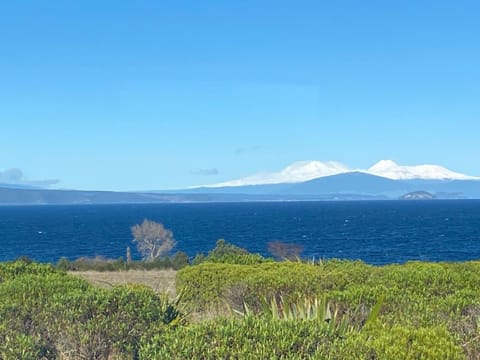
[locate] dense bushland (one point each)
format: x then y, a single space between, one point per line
259 337
417 298
216 284
243 306
48 314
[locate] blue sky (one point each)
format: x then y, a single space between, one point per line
136 95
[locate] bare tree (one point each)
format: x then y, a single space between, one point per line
281 250
152 239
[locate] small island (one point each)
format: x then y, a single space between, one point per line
418 195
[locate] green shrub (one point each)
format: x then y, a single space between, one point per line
398 342
416 295
14 345
227 253
53 314
199 258
111 321
223 248
429 311
213 284
97 263
256 337
247 338
180 260
64 264
11 270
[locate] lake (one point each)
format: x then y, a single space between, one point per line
377 232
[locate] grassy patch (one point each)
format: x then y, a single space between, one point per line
161 281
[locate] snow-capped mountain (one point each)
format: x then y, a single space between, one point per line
301 171
297 172
309 180
391 170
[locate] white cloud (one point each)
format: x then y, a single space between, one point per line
15 176
307 170
10 176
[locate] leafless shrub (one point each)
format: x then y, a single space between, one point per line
152 239
285 251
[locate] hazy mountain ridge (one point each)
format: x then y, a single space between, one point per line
345 186
358 183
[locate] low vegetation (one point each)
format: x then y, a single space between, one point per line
231 304
45 313
99 263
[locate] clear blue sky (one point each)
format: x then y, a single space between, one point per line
120 95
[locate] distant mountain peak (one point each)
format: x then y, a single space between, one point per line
301 171
298 171
390 169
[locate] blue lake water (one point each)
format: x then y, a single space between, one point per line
376 232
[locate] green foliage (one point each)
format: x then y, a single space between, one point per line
247 338
290 310
97 263
63 264
315 308
401 342
419 293
14 345
211 284
416 295
180 260
102 322
199 258
227 253
254 337
11 270
44 313
223 248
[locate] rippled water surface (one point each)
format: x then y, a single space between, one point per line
377 232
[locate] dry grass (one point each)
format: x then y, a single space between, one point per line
162 281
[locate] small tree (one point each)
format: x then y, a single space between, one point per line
224 248
152 239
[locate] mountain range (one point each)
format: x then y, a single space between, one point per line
352 185
385 180
302 171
